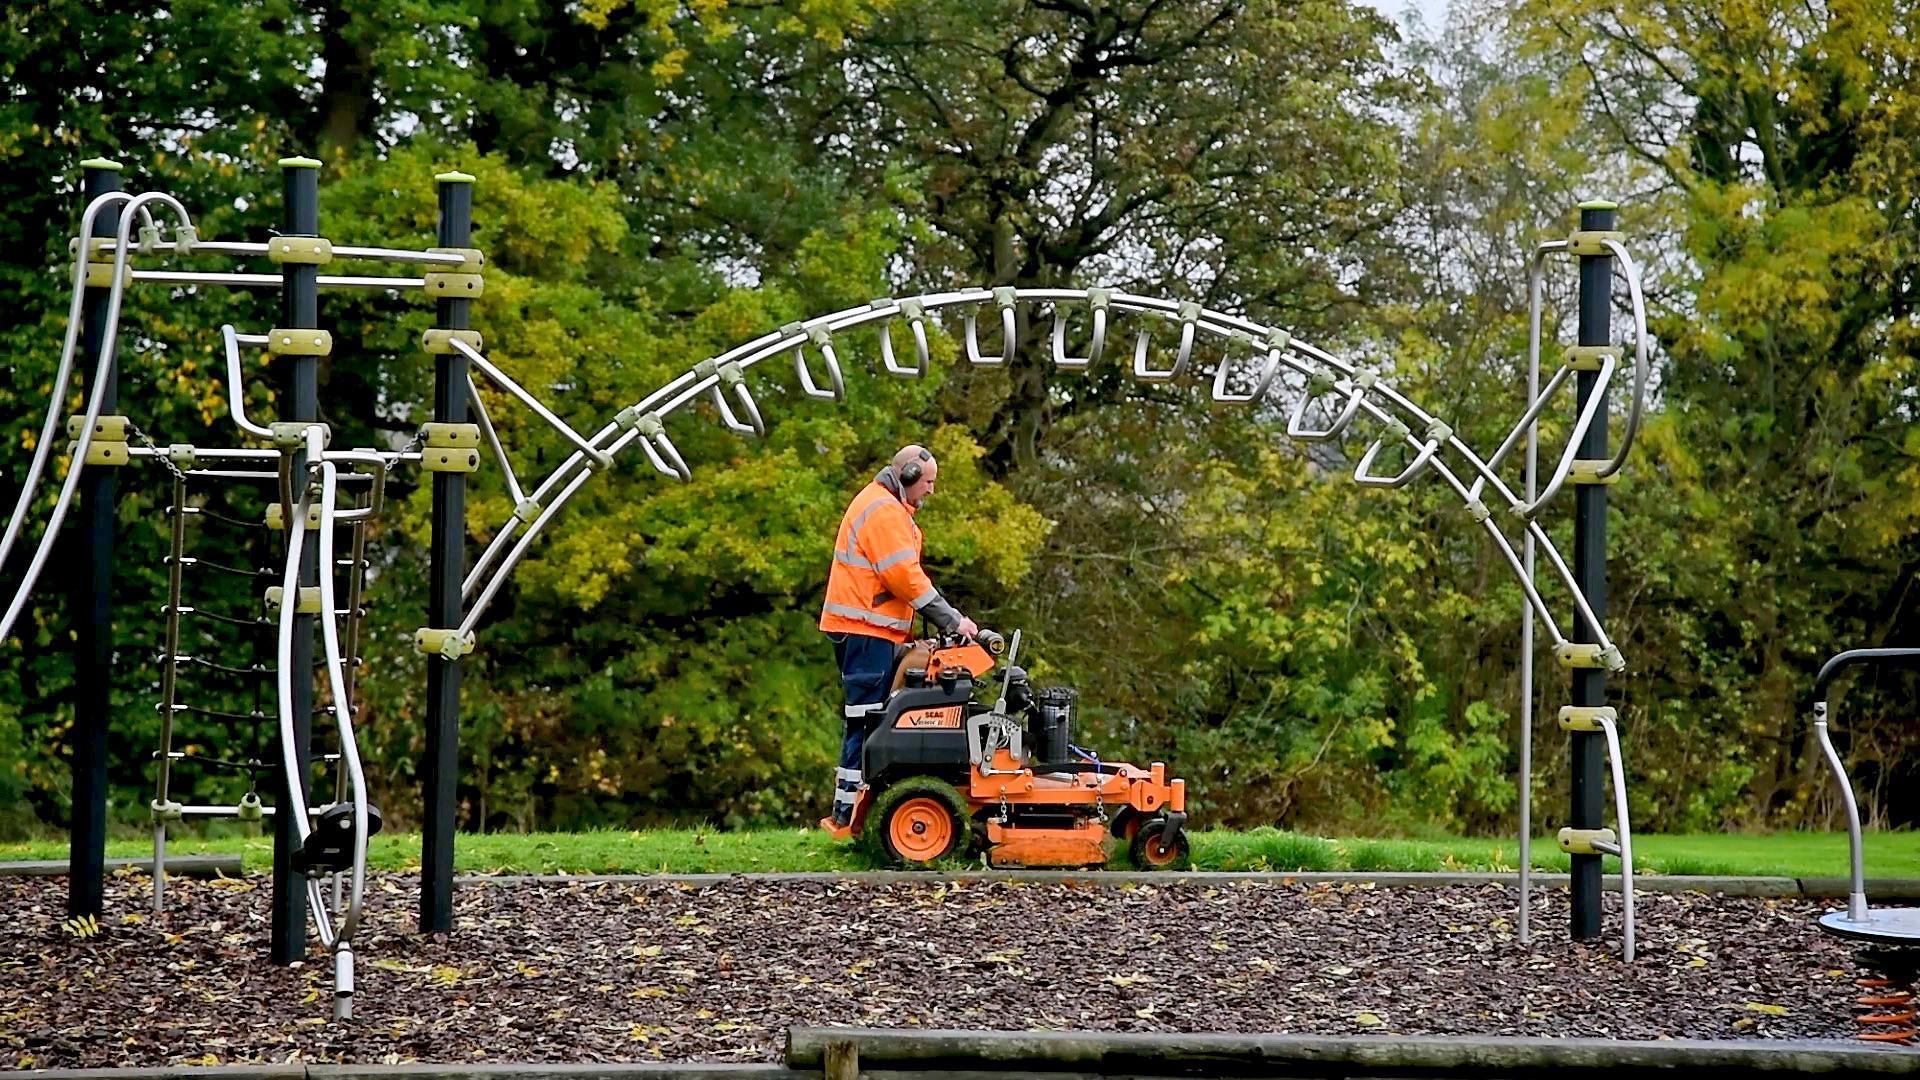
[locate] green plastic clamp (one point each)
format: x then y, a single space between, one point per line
1593 241
475 259
105 428
1590 357
1585 717
300 250
449 644
100 275
308 604
1587 471
447 436
455 286
1574 654
276 516
439 341
291 434
1581 841
299 342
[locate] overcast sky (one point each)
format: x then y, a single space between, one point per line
1432 12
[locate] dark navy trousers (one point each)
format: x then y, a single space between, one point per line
866 671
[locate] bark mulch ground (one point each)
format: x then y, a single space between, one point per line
610 972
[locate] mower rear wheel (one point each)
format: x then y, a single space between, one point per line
920 821
1151 851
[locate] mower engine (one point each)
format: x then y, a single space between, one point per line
946 774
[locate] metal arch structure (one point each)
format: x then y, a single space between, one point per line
1252 360
1435 447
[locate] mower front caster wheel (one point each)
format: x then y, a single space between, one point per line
1150 849
921 821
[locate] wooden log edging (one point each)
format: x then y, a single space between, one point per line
878 1051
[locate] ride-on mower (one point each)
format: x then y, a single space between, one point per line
945 774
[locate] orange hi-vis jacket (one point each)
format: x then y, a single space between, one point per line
876 583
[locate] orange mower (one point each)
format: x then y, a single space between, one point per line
946 774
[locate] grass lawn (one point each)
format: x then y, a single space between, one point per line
687 851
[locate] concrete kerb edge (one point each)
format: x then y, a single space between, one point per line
177 866
1765 887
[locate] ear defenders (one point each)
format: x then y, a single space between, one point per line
911 472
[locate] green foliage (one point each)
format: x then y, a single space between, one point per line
658 183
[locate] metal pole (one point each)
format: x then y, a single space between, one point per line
299 378
440 770
92 599
1590 574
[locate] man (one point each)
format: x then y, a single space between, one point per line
873 590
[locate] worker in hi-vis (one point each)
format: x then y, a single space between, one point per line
874 588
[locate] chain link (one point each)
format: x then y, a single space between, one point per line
419 439
160 455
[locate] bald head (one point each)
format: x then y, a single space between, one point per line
915 467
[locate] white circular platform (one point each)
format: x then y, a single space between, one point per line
1883 926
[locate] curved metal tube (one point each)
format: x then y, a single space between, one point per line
1529 424
1632 273
1596 402
43 449
690 386
1296 421
1007 336
236 385
337 938
116 294
1831 670
1423 456
1857 892
505 382
917 320
479 605
836 389
1099 299
1535 275
493 443
754 425
1141 370
1260 381
1626 834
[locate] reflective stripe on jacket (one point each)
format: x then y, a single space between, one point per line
876 583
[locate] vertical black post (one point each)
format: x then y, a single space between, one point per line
440 771
1590 572
299 379
91 596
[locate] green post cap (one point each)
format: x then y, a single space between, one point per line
102 163
453 178
1599 204
299 163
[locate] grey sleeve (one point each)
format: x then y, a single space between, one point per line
940 613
